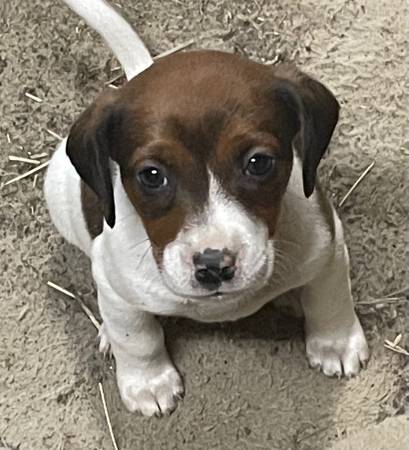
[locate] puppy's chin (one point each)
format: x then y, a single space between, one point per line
250 278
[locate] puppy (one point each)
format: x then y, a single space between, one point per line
193 191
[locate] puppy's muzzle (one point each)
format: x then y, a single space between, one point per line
212 267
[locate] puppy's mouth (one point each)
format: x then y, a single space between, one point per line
193 294
218 294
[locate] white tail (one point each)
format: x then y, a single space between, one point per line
126 45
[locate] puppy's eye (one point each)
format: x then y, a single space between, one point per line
258 165
152 178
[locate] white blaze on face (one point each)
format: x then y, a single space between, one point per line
224 223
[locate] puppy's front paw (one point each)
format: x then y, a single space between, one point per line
341 352
153 391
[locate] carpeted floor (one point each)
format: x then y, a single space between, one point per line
248 384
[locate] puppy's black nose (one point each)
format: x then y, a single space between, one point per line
213 267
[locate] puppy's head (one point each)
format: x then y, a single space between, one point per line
204 142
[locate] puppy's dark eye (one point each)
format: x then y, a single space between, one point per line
259 165
152 178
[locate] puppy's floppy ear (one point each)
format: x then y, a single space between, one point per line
315 111
91 144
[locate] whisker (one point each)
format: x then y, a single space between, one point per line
280 272
138 243
144 256
280 258
282 264
284 241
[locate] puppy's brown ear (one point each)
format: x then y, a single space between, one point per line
91 144
315 111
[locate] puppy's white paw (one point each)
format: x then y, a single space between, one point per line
153 391
341 352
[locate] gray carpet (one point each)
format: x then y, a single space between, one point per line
248 384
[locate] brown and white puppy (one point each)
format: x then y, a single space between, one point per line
191 189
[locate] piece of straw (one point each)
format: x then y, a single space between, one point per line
115 78
176 49
386 300
60 289
89 313
394 345
23 313
399 291
396 349
27 174
84 307
25 160
104 404
54 134
397 339
94 321
357 182
33 97
38 155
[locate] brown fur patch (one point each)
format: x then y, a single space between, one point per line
205 119
198 111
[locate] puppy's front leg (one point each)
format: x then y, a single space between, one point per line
148 381
335 341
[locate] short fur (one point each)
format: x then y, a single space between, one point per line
198 118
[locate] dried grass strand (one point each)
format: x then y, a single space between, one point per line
107 418
396 349
39 155
35 180
357 182
398 292
27 174
33 97
386 300
60 289
25 160
176 49
84 307
54 134
115 78
394 345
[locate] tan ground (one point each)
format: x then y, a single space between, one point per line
248 384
